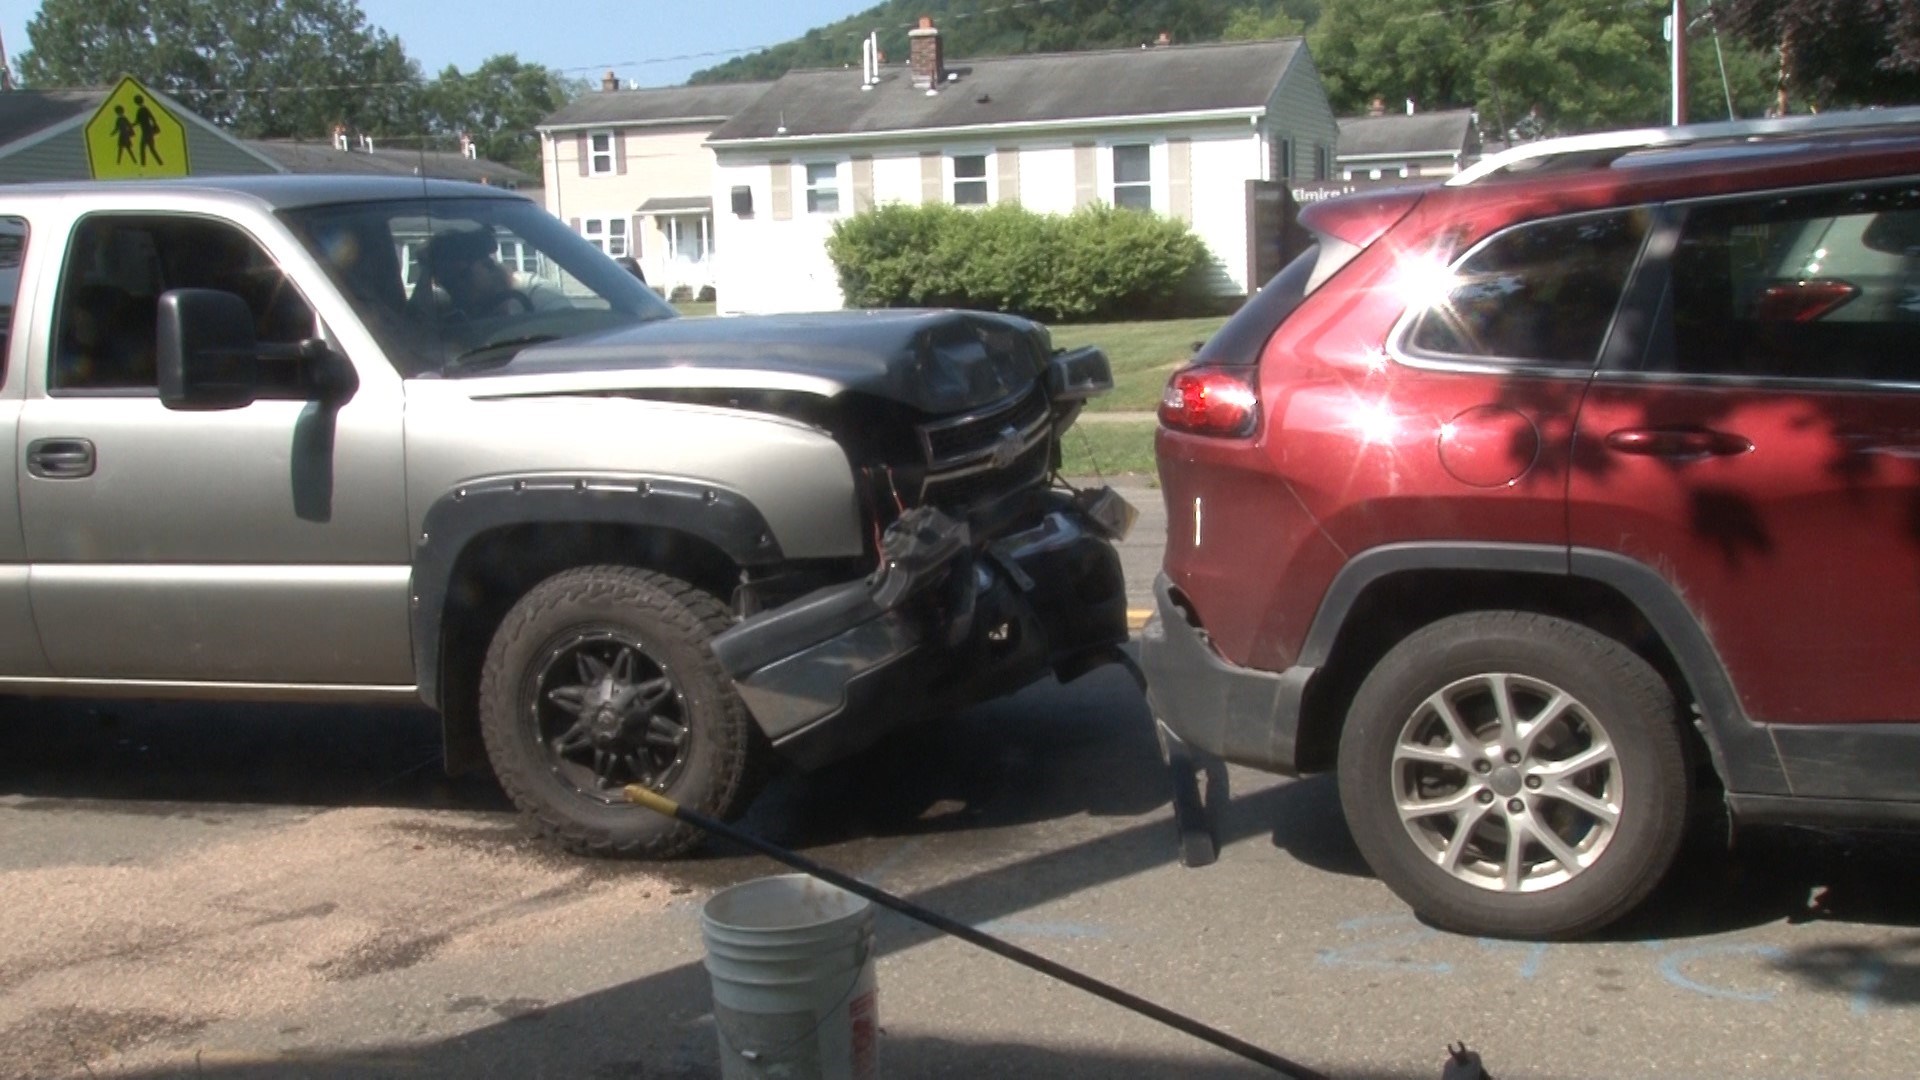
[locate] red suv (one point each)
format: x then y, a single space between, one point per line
1546 503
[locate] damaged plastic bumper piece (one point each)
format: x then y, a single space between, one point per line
944 624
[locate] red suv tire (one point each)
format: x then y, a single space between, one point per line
1553 736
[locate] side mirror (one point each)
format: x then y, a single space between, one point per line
209 358
205 346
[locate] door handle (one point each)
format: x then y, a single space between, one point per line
1678 442
60 459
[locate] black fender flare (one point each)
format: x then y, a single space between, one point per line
1743 752
721 517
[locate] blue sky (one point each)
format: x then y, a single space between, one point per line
639 39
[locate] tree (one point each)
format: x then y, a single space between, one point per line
498 105
1530 67
1258 24
263 68
1836 52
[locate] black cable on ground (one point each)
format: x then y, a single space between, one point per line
658 803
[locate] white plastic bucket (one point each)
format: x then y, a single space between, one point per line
791 960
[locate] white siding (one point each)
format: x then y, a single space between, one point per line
896 177
1046 178
765 265
1222 165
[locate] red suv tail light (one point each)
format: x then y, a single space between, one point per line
1219 401
1802 301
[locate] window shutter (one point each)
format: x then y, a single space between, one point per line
582 152
781 177
1086 183
633 236
575 222
930 177
619 154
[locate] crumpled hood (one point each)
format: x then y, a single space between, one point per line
938 362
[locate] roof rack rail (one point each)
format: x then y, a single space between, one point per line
1603 147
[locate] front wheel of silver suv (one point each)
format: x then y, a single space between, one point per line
1515 775
600 678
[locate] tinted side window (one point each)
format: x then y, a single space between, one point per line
1815 287
13 249
117 267
1544 292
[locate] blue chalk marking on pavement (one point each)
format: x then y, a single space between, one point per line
1065 931
1866 989
1672 963
1373 955
1536 953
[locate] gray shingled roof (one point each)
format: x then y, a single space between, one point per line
323 158
1022 89
23 112
667 105
1445 132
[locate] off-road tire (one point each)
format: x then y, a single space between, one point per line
668 623
1617 693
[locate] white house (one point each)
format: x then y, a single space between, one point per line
628 169
1180 130
1391 148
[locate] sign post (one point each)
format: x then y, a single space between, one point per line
133 137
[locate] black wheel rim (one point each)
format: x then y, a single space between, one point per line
607 713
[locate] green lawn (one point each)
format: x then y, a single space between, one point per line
1143 355
1108 447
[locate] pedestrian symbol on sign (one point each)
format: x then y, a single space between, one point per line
133 135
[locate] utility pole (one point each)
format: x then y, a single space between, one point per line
6 72
1679 81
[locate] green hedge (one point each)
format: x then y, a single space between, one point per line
1096 263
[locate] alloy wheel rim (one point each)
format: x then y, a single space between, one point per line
606 714
1507 783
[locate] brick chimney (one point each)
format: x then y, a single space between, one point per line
1378 107
923 56
609 82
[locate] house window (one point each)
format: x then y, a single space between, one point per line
1133 177
969 179
1322 162
1286 160
823 188
600 153
607 234
518 257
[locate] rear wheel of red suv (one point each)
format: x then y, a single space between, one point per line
1515 775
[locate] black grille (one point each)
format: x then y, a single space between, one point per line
952 439
979 487
988 454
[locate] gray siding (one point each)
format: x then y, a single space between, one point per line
64 156
1298 110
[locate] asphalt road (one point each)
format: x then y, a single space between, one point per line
279 892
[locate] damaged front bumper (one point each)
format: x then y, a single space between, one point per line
945 623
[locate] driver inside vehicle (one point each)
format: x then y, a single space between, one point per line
467 280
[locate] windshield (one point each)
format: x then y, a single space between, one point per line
454 285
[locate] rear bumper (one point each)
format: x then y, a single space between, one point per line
948 623
1244 716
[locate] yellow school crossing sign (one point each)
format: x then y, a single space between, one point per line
134 137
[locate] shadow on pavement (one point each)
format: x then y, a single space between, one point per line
282 755
1767 875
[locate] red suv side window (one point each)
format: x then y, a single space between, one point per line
1543 292
1818 286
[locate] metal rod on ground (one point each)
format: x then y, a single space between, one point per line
660 804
